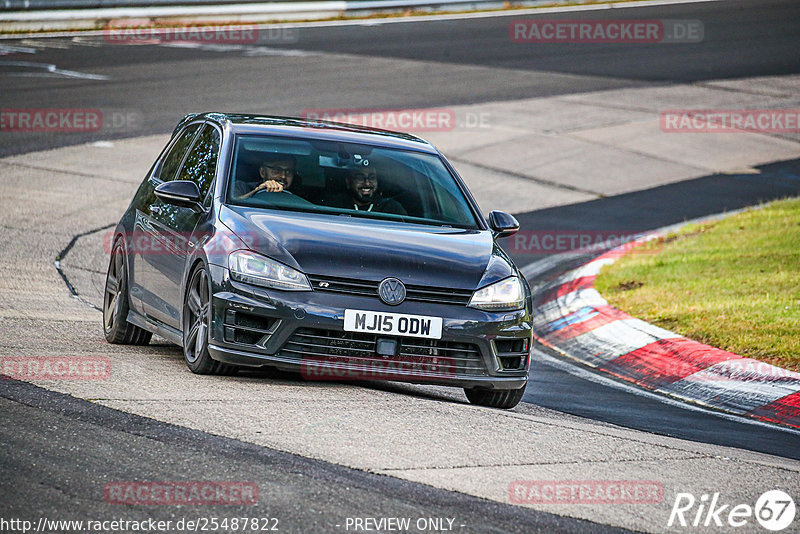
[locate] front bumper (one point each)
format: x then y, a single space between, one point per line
303 331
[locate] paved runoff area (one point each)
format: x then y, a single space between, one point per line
516 156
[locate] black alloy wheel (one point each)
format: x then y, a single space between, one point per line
196 326
116 327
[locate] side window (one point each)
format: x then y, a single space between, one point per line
201 164
173 160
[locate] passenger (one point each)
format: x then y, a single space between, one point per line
363 193
277 174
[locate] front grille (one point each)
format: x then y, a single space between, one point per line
247 328
512 353
512 345
417 355
436 295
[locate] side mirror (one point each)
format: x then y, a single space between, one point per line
182 193
503 224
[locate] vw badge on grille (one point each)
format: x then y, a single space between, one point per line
392 291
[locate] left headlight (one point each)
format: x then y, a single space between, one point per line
505 295
259 270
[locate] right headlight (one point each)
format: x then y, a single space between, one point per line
505 295
253 268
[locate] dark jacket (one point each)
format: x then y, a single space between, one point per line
382 205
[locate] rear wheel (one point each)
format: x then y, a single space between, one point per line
116 327
196 321
495 398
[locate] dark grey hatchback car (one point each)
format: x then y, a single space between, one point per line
338 251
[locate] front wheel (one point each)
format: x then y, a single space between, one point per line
495 398
116 327
196 321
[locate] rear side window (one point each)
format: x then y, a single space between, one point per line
173 160
201 163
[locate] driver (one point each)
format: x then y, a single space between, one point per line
277 174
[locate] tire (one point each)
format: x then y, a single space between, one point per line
196 321
495 398
116 327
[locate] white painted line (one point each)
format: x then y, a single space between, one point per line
51 69
5 50
36 43
250 50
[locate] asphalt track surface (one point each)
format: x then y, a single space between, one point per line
463 62
44 432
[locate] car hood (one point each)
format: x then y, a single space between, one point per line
366 249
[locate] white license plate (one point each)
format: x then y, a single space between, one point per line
393 324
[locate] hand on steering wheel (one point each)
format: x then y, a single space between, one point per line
270 186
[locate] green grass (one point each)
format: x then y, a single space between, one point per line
732 284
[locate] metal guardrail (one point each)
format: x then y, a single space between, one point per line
37 5
34 5
65 15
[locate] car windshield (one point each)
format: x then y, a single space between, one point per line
342 178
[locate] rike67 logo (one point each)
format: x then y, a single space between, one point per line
774 510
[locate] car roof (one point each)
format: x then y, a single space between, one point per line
313 129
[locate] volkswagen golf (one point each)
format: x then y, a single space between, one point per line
333 250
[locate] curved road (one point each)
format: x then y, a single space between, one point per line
393 65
